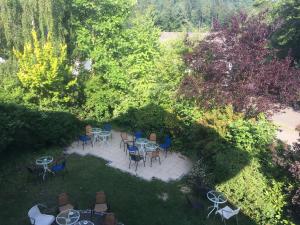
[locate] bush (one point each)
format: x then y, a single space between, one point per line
22 128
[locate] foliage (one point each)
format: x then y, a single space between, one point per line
18 18
199 176
263 201
287 158
185 15
44 74
27 129
234 66
287 37
251 135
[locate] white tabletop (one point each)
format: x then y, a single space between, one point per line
141 141
104 133
150 147
44 160
216 197
67 217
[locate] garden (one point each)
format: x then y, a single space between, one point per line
211 98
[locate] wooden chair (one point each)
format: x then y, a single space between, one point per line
63 202
124 140
100 203
152 137
154 155
88 131
110 219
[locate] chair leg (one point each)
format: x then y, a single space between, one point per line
129 163
120 143
159 160
151 161
136 165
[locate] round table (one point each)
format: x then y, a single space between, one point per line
84 222
67 217
217 198
142 142
96 133
151 147
104 136
44 161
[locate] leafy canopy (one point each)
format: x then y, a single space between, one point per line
44 73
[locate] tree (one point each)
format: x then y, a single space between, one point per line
45 75
234 65
287 37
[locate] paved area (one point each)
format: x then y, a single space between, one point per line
172 167
287 120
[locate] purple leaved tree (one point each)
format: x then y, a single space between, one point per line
234 65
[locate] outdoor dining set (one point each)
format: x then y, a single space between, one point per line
98 214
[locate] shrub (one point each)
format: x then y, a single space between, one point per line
28 129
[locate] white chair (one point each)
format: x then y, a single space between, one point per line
227 212
37 218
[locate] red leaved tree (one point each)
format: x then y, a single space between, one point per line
234 65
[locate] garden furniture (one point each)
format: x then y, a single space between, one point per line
227 212
44 161
132 148
88 131
84 139
68 217
152 150
152 137
166 145
138 134
100 203
141 142
64 202
103 135
37 218
108 127
58 167
136 158
110 219
124 140
95 132
217 198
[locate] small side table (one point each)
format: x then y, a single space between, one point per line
44 161
217 198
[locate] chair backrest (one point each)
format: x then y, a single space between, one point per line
107 127
88 130
235 212
152 137
168 141
124 135
63 199
100 197
33 213
110 219
138 134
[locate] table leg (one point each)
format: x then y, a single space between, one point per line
211 210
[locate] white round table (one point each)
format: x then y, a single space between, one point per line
96 133
104 135
44 161
151 147
84 222
142 143
67 217
217 198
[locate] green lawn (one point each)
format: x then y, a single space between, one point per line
134 201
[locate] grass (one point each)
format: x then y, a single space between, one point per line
133 200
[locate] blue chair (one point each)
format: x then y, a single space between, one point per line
132 149
136 158
108 127
59 167
166 145
138 134
84 139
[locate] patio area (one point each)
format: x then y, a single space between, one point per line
172 167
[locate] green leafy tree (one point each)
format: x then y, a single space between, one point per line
45 75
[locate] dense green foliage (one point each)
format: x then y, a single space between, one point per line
185 15
17 18
24 129
44 74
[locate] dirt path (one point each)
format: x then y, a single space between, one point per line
287 120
